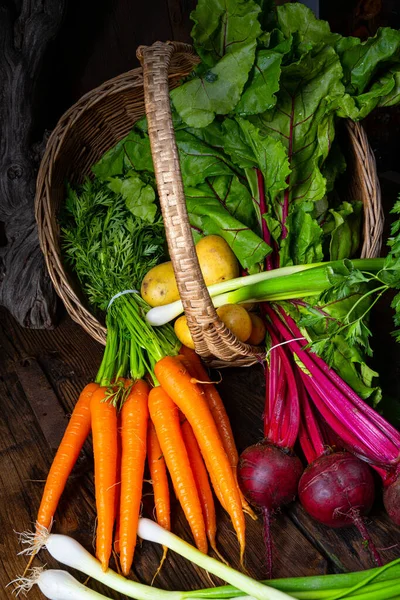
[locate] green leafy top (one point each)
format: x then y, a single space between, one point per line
108 248
225 36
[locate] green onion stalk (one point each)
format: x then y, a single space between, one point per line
380 583
286 283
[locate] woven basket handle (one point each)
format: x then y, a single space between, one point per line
195 298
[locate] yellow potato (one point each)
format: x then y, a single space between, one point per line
159 285
182 332
217 261
258 330
237 319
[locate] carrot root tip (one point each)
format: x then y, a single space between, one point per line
250 512
164 556
194 380
218 553
33 540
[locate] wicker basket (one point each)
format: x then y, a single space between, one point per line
104 116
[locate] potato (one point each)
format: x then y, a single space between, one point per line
217 261
258 330
182 332
237 319
159 285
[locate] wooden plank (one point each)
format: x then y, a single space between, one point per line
43 401
68 356
345 547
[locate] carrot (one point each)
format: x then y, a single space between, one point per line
188 396
118 486
164 415
134 418
202 483
67 454
158 474
216 406
218 411
116 546
104 431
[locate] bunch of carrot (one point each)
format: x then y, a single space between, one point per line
181 426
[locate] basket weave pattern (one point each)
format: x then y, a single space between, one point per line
103 117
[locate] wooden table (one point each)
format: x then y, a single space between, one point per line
41 374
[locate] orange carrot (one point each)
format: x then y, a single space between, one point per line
202 483
67 454
216 405
159 478
158 474
118 486
164 415
218 411
188 396
134 418
104 431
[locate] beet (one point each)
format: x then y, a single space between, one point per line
338 490
268 477
391 500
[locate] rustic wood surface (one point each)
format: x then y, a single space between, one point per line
41 374
26 29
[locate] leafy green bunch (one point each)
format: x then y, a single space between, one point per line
111 239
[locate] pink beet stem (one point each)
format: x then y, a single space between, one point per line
278 411
360 524
357 447
274 370
379 421
311 431
358 424
263 210
291 420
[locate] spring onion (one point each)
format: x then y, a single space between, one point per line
319 587
55 584
70 553
279 284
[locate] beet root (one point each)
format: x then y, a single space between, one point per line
338 490
391 500
268 477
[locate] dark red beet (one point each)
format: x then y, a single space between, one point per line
391 500
338 490
268 477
